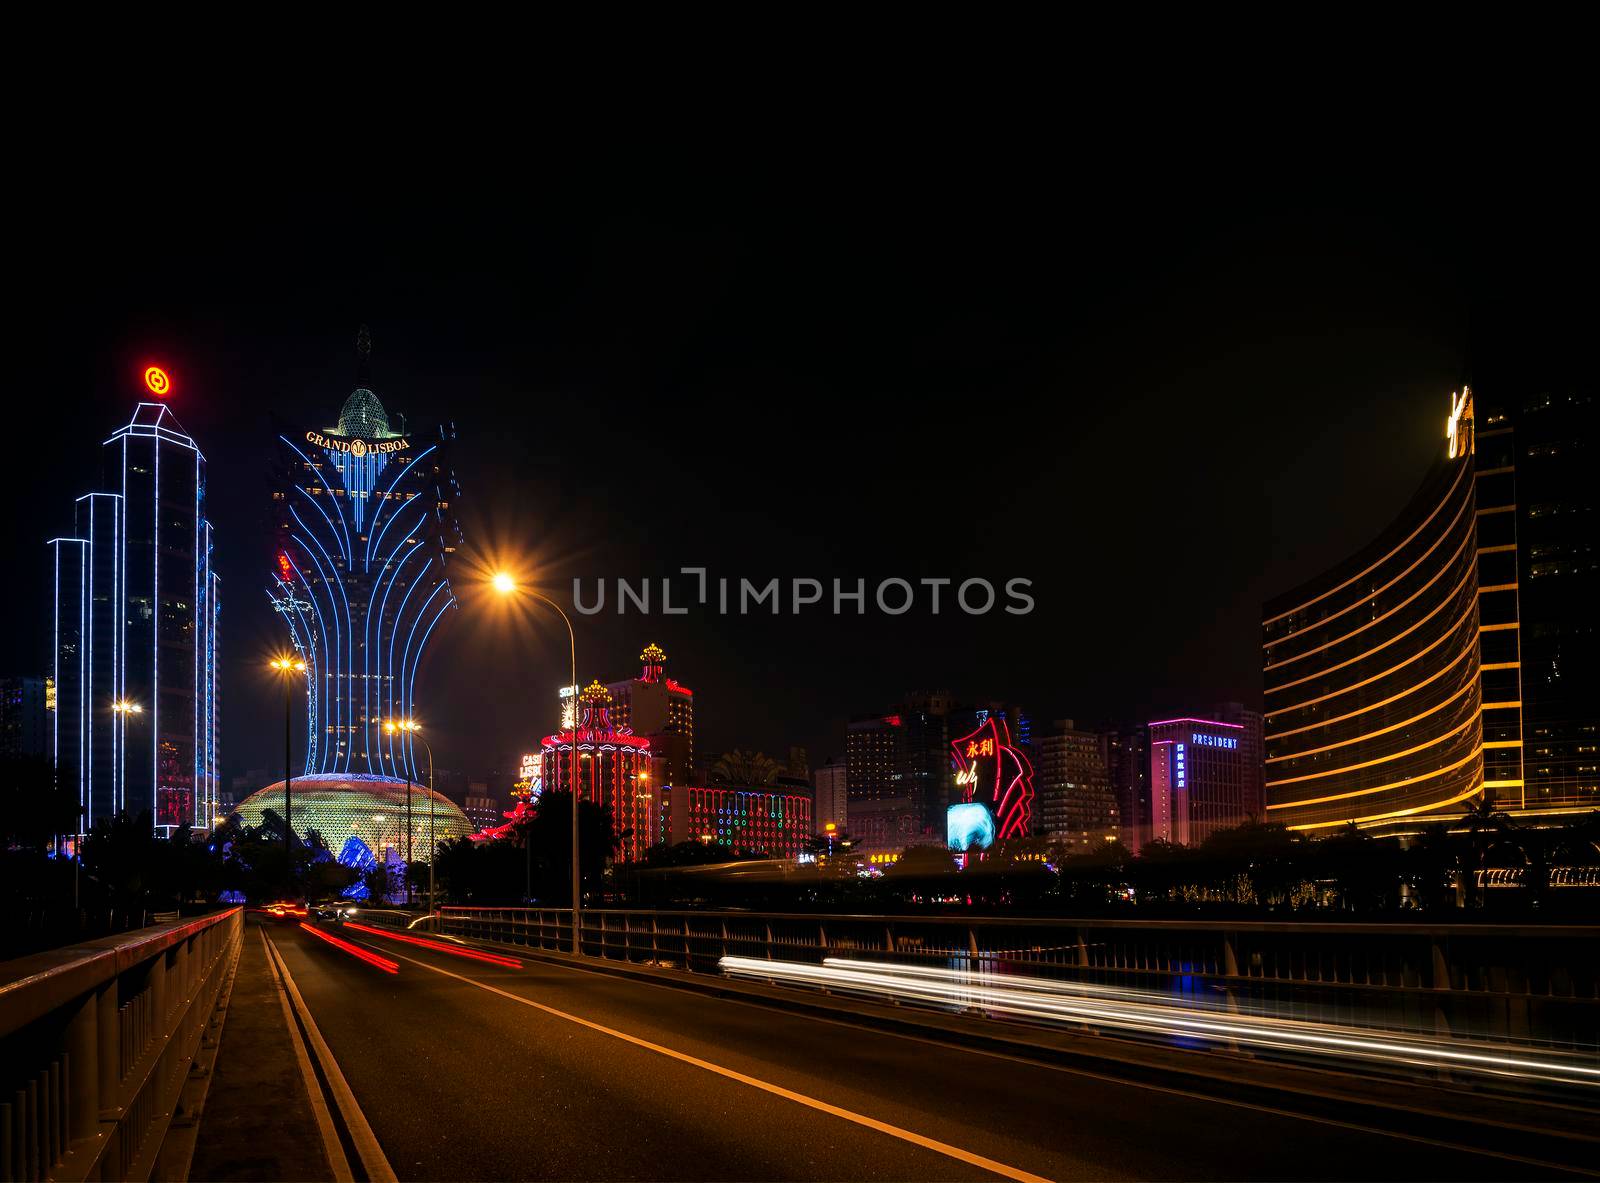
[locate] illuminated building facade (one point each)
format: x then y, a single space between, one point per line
25 716
136 619
613 770
993 772
883 817
1392 682
661 708
359 817
771 823
364 532
1457 654
1197 779
832 799
1077 807
1128 767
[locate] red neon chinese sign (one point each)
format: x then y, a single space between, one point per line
992 771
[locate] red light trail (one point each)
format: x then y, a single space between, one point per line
383 963
439 946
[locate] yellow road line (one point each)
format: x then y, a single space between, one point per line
319 1104
777 1090
373 1161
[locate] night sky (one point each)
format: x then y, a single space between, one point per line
1163 393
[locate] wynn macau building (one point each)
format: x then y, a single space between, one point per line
1451 657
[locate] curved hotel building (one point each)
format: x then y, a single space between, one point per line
364 534
1394 683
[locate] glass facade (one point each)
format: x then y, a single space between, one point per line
364 532
136 624
359 817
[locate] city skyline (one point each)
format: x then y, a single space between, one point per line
867 492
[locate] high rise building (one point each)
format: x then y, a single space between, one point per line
832 796
656 706
365 534
613 770
1128 766
26 704
1197 779
135 634
1251 753
883 817
1550 443
1456 654
1076 805
923 772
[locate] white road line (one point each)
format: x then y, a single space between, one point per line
319 1104
373 1161
861 1119
1072 1070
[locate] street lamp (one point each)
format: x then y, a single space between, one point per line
288 668
506 585
121 708
414 729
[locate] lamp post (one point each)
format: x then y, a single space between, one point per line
287 668
506 585
413 728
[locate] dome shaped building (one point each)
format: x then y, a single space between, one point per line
359 816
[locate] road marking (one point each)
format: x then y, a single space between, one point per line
777 1090
373 1161
319 1103
1073 1070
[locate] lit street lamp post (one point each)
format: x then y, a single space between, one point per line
506 585
287 668
413 728
121 708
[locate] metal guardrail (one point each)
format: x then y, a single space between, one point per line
1522 982
95 1043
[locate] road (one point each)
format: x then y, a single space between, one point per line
472 1071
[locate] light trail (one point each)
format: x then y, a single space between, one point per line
1040 999
438 946
383 963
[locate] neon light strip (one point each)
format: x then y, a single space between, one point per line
438 946
1467 538
1465 689
376 541
371 958
1470 614
1445 500
1472 718
1378 817
1471 574
332 713
1202 722
394 683
1366 599
389 574
1399 784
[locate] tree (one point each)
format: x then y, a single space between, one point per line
744 769
1485 827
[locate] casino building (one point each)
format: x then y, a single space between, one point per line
365 534
1198 779
1395 684
135 632
613 770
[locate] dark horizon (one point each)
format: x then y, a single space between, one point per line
1184 413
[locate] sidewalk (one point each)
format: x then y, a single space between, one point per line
257 1121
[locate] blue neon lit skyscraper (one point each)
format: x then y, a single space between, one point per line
136 614
364 538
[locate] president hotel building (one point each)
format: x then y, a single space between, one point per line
1453 657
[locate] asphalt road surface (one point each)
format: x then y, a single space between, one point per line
472 1071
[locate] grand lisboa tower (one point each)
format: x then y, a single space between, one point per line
365 538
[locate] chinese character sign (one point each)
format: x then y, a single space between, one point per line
992 772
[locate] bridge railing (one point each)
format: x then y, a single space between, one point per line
95 1044
1537 983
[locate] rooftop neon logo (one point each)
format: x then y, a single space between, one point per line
157 382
